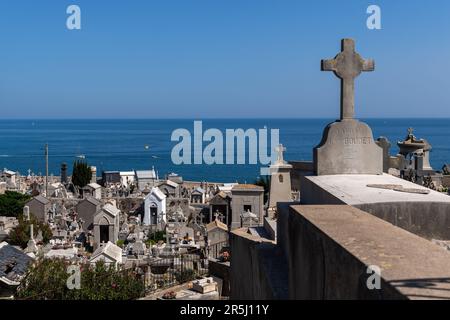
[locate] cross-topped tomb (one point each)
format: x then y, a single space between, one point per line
347 145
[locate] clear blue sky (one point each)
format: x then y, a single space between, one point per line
219 58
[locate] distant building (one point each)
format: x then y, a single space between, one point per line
217 232
220 203
127 178
40 207
170 189
146 179
175 178
106 225
155 208
9 176
109 253
93 190
246 199
110 177
86 210
198 195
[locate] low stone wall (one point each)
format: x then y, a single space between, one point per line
427 215
330 248
271 227
257 268
428 220
222 271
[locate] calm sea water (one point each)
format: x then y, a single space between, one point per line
121 144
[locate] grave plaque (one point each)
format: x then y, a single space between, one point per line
347 145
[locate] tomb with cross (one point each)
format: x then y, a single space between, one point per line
280 181
347 145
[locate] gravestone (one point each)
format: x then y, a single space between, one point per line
384 144
347 145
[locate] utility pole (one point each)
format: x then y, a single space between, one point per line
46 169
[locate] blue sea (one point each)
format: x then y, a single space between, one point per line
146 143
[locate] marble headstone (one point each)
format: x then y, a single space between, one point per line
347 145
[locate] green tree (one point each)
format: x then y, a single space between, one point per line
81 173
12 203
47 280
20 234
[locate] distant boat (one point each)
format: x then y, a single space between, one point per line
147 147
155 157
81 156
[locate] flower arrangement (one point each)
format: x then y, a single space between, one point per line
170 295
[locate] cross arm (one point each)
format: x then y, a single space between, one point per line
328 65
368 65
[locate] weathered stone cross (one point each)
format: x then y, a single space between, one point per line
280 149
347 65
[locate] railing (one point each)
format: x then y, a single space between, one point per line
167 272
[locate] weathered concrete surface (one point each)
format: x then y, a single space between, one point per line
271 228
347 147
222 271
332 246
258 268
427 215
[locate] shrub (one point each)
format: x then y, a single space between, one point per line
185 275
20 234
47 280
12 203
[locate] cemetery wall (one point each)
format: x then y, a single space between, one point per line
222 271
248 279
331 247
426 219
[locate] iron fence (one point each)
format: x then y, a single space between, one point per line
167 272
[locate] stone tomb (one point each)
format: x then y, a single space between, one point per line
347 145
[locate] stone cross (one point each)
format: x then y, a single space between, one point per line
347 65
280 149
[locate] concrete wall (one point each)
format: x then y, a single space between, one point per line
222 271
428 220
256 268
311 193
331 247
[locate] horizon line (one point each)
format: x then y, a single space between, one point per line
229 118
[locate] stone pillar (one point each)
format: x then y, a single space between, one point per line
418 166
384 143
94 174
